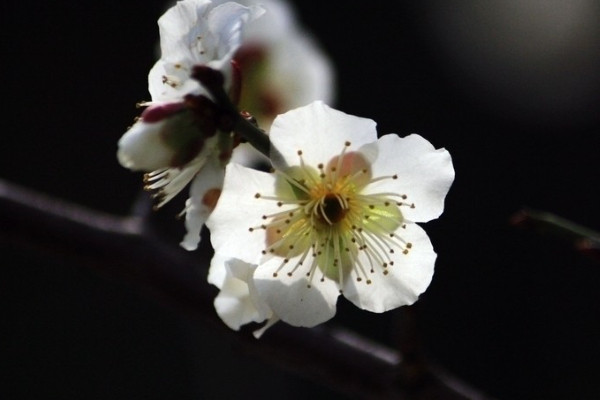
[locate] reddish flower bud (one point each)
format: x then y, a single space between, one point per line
158 112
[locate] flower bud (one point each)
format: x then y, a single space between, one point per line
166 135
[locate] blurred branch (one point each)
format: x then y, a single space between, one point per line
126 247
584 240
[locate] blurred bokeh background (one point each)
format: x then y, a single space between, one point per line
511 88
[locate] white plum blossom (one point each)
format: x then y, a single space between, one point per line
282 66
196 32
238 302
337 216
176 139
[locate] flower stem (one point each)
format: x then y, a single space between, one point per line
213 81
584 239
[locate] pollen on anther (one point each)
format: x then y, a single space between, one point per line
257 196
299 152
394 176
289 274
320 166
347 143
358 279
251 229
409 245
385 272
369 282
279 204
274 274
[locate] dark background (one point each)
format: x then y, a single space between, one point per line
511 89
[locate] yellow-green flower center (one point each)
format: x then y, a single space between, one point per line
329 223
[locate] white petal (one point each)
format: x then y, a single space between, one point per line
291 299
217 271
141 148
179 27
238 210
259 332
301 72
319 132
205 186
226 22
165 85
237 304
246 155
276 23
425 174
406 279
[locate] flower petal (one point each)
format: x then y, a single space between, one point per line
291 298
226 22
237 304
204 193
319 132
179 27
406 279
425 174
238 210
141 148
168 81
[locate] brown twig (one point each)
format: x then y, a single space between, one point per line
125 246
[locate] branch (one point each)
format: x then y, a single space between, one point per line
584 240
126 246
